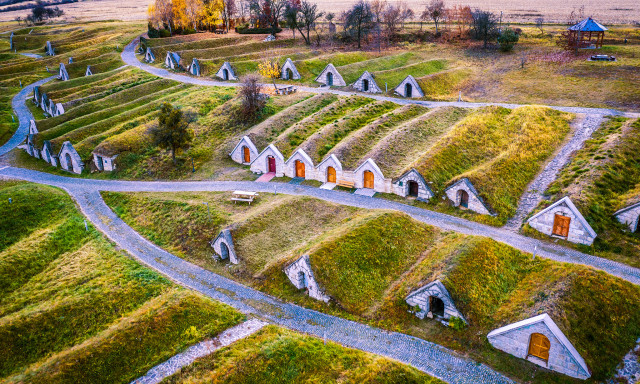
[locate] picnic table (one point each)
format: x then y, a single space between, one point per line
285 90
243 196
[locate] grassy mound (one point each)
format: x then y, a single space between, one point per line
499 150
361 263
602 178
74 309
275 355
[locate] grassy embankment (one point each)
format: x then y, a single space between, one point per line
74 308
369 261
276 355
499 150
602 178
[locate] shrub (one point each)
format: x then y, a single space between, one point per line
508 39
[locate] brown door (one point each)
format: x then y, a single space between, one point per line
299 168
413 188
561 225
331 175
539 346
272 164
247 154
368 179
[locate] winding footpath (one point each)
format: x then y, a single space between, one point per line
425 356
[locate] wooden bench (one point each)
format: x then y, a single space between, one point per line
346 184
243 196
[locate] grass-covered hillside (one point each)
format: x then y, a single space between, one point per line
603 177
499 150
96 44
275 355
369 261
74 309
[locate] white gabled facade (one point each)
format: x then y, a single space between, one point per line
301 276
548 221
70 159
323 170
244 152
380 184
366 83
409 88
226 72
330 77
289 71
269 160
299 165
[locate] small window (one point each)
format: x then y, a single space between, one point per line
539 346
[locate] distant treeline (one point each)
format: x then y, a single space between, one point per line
29 6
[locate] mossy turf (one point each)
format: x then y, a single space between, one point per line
499 150
603 177
368 262
73 308
276 355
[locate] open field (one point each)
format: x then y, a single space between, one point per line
275 355
602 178
369 261
73 308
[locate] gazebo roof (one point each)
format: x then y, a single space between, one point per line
588 25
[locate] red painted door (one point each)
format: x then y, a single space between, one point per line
272 164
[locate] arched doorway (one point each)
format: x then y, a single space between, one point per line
368 179
329 79
225 74
302 280
412 187
436 306
539 346
365 85
287 74
331 175
299 168
408 90
246 154
463 198
561 225
67 158
224 251
271 164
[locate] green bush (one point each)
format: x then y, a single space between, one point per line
508 39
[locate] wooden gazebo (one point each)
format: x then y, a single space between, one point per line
587 34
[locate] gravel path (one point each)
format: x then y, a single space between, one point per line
24 115
129 56
533 196
204 348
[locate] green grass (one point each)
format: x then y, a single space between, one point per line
295 135
351 72
275 355
499 150
369 256
73 308
602 178
393 77
309 69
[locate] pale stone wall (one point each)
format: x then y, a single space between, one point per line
630 218
401 186
76 165
420 298
237 154
225 238
104 163
380 184
577 232
373 86
302 268
321 169
516 343
290 166
261 164
416 91
475 204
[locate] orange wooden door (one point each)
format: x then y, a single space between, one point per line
539 346
299 168
561 225
247 154
368 179
331 175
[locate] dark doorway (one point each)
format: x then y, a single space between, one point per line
365 85
224 250
329 79
99 162
287 74
67 157
413 188
463 198
271 161
302 280
408 90
225 74
436 305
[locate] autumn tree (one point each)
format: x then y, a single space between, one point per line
172 132
252 100
161 14
358 21
193 11
434 11
270 70
392 17
307 16
228 9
